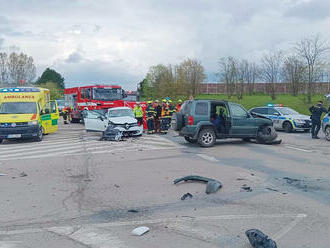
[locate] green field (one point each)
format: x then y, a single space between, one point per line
299 103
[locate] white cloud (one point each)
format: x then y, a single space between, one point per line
117 41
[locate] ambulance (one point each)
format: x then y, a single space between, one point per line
27 112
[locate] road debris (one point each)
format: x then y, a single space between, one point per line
112 134
139 231
211 187
272 189
116 186
186 196
23 174
132 211
259 240
247 188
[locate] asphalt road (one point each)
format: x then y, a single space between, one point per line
77 191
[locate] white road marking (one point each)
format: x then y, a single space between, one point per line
92 237
78 145
289 227
207 157
157 221
9 244
298 149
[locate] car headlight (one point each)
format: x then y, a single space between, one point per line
300 121
111 125
33 123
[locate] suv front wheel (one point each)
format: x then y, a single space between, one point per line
206 137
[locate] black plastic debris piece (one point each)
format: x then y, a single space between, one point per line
186 196
212 184
290 180
259 240
133 211
247 188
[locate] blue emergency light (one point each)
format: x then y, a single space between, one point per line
19 90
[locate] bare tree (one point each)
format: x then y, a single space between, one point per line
312 50
3 68
253 74
191 73
242 73
21 68
271 71
294 72
228 73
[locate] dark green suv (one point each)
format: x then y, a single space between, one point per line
204 121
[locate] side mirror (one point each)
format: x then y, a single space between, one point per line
101 118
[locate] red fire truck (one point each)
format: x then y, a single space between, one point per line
96 97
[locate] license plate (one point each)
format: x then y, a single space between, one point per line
12 136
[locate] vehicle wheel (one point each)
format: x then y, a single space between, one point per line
266 134
327 133
40 135
177 121
246 139
190 140
287 126
206 137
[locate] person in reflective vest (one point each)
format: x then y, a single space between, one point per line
138 112
178 106
165 117
172 110
150 116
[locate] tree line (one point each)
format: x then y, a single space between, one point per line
300 67
16 69
183 79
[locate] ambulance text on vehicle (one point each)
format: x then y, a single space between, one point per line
27 112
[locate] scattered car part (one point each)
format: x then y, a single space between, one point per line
185 196
139 231
23 174
266 134
112 134
132 211
212 184
258 239
247 188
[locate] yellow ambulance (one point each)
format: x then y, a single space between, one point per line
27 112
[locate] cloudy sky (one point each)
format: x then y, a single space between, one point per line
116 41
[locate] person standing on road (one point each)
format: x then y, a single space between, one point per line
158 110
165 117
150 115
178 106
138 112
316 114
172 110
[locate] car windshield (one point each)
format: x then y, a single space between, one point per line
18 108
287 111
120 113
107 94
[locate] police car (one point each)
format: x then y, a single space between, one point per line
284 118
326 122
